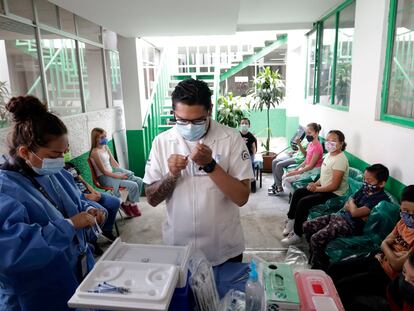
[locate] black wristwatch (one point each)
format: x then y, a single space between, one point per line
209 167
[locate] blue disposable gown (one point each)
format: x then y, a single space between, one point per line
39 249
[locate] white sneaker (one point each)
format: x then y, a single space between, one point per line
291 239
288 226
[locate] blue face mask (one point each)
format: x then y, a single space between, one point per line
368 188
103 141
49 166
191 132
408 219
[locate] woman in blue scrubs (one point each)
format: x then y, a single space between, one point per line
43 252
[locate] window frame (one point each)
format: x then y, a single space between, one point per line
384 115
318 28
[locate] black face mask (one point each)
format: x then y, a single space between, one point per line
309 138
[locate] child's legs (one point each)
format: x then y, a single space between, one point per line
310 227
111 204
335 227
133 190
110 182
138 181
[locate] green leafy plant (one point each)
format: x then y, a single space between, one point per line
4 96
267 93
230 110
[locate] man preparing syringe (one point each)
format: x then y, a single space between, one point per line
203 171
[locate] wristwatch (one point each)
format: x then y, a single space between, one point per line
209 167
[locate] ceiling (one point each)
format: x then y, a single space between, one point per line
137 18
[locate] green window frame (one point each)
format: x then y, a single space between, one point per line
385 115
318 28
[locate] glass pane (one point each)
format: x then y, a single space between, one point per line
114 76
326 63
311 67
344 56
19 65
59 57
47 13
110 40
23 8
88 30
401 88
93 79
67 21
1 7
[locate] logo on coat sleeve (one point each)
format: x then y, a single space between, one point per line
245 155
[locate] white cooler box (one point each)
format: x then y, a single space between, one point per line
151 272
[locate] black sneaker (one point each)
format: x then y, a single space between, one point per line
109 235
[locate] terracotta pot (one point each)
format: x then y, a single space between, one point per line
267 161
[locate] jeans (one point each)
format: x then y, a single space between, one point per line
302 201
288 181
132 183
278 165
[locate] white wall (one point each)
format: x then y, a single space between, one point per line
368 138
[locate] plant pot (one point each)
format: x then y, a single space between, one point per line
267 161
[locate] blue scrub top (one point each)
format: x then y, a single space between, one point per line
39 248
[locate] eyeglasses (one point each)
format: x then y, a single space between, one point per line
186 122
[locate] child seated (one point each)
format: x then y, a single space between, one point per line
350 220
110 174
370 275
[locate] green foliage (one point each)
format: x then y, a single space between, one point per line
230 110
267 93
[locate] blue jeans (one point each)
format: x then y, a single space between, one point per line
132 183
111 204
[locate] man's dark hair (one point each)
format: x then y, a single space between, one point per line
192 92
245 119
380 172
408 194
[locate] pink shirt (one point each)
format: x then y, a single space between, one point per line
314 147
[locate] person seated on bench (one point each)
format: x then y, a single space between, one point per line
281 162
110 174
370 275
251 143
95 198
349 221
333 182
313 160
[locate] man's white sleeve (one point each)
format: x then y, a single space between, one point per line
153 167
240 164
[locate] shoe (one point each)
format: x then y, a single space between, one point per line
109 235
127 209
135 210
97 250
272 188
288 226
291 239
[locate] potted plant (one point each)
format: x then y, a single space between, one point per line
267 93
229 110
4 95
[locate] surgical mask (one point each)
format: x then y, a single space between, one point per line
49 166
67 156
309 138
408 219
244 127
330 146
368 188
191 132
103 141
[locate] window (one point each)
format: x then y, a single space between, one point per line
398 92
47 13
67 21
23 8
61 69
329 58
93 76
113 73
151 60
88 30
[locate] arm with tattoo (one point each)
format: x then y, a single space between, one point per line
160 190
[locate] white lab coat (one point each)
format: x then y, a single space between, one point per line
198 212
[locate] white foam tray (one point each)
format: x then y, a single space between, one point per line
145 253
151 284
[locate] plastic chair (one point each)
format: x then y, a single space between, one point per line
106 188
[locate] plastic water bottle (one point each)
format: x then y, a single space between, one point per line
254 291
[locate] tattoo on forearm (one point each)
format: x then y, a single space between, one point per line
160 190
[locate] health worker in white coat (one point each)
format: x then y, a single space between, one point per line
203 171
